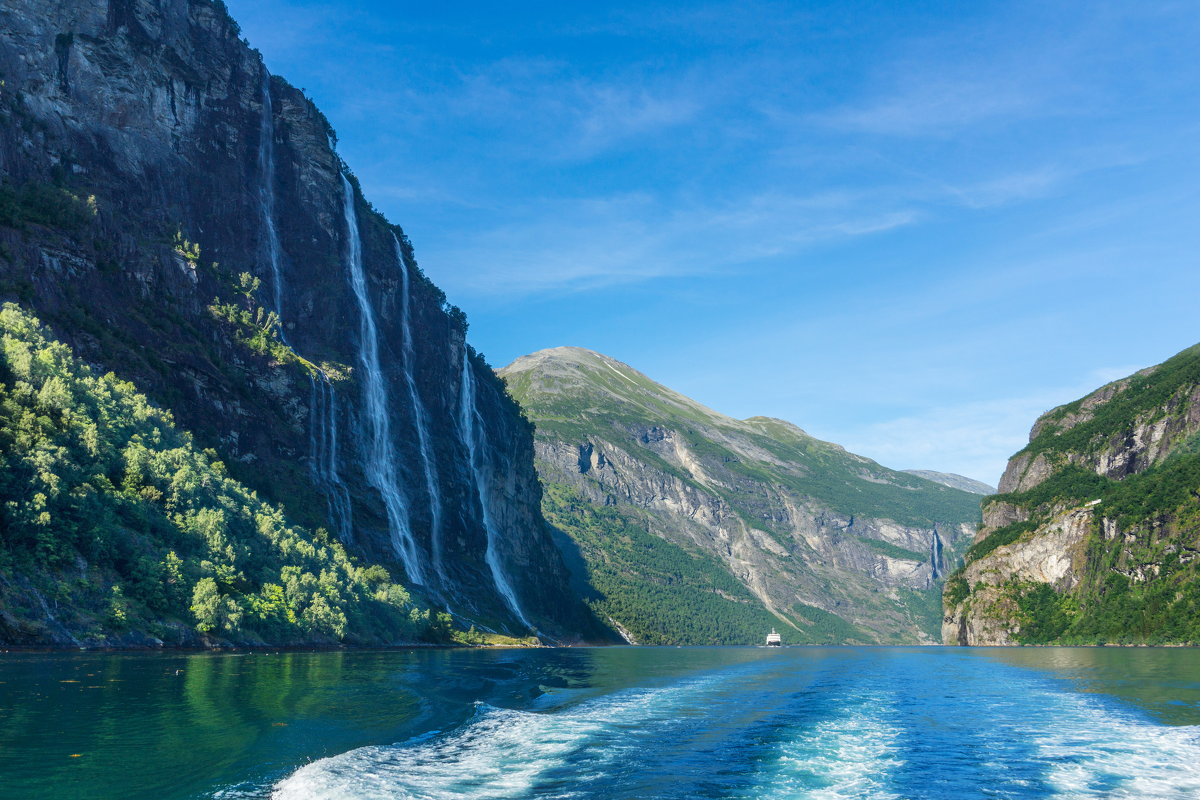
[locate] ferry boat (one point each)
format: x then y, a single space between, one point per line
773 639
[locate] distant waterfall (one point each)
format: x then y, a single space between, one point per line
469 424
323 454
935 553
420 417
381 455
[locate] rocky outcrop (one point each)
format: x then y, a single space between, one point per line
1093 537
799 522
148 160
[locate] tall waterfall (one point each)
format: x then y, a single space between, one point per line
381 455
266 194
469 424
420 417
935 553
323 454
322 426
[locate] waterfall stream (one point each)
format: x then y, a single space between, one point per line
323 454
322 429
935 554
381 455
470 425
420 418
266 195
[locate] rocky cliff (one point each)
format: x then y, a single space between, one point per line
752 522
1094 536
180 217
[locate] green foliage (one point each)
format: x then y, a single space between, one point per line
255 327
891 550
1069 485
1044 614
188 251
97 483
45 204
956 590
1000 537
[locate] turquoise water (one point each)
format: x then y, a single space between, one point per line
876 723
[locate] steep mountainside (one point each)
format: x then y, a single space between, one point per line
179 216
1095 535
955 481
696 527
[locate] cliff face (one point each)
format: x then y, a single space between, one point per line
1094 536
829 544
151 164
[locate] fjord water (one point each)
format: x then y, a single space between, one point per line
604 723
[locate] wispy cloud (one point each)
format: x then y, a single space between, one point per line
973 439
596 243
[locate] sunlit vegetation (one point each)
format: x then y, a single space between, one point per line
126 524
255 327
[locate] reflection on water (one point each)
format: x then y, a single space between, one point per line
1165 682
191 725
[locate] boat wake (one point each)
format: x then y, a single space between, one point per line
852 727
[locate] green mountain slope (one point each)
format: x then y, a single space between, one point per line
750 523
1094 536
117 530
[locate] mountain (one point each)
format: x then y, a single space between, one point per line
179 217
1094 536
694 527
954 481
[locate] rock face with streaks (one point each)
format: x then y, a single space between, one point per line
824 542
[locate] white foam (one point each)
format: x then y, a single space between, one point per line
1094 752
499 754
850 755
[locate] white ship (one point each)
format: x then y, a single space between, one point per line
773 639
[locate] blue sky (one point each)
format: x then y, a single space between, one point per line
908 227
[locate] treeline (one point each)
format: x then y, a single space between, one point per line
115 518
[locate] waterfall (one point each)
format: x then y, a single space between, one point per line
469 423
420 417
322 428
266 195
322 431
323 454
935 553
381 456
